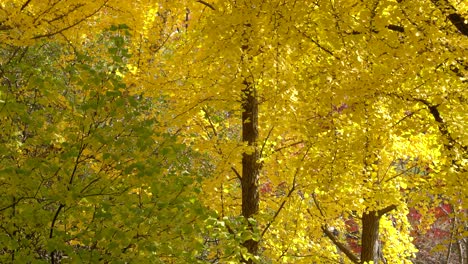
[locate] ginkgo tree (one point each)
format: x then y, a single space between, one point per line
326 94
383 105
301 116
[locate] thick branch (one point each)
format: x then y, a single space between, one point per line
335 241
396 28
370 234
452 15
51 233
387 209
340 245
441 124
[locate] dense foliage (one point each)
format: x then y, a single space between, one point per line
233 131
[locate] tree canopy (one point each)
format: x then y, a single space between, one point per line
232 131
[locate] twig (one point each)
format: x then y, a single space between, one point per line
25 5
237 173
265 141
206 4
318 44
70 26
287 146
293 188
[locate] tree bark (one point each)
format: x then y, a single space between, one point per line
250 168
370 234
370 237
250 164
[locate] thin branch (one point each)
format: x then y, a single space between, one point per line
70 26
399 174
318 44
433 109
317 205
51 232
156 49
77 161
460 251
25 5
287 146
71 10
193 107
237 173
206 4
291 191
406 116
452 232
280 208
396 28
107 194
14 203
4 27
333 238
265 141
207 115
441 124
89 184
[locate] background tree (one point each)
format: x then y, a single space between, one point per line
87 171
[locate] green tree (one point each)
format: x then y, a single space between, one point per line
87 171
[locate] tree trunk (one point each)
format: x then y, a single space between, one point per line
370 234
370 237
250 165
250 168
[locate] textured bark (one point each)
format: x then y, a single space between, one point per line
370 234
370 237
250 168
250 164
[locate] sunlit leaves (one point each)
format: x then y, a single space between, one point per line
92 94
